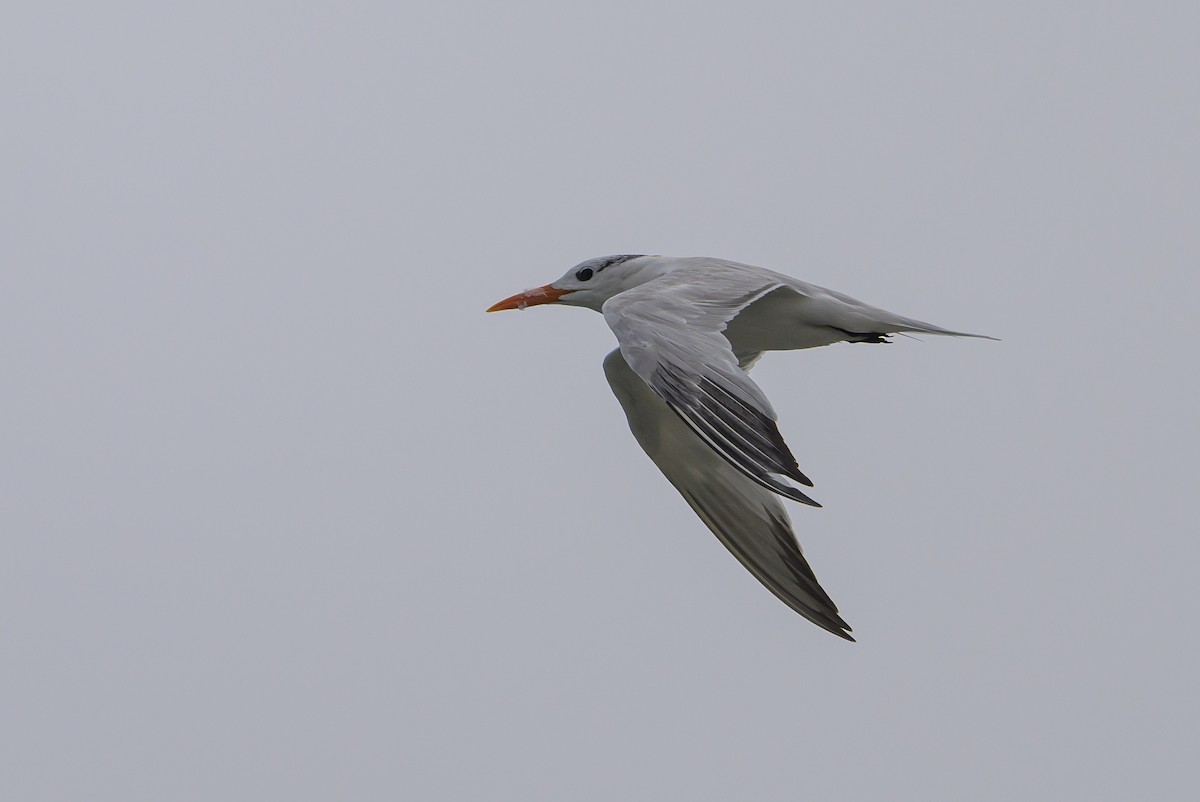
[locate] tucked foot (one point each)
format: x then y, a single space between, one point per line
861 337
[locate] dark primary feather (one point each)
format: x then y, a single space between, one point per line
739 433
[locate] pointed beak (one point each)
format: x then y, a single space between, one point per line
538 295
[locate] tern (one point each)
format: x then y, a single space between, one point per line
689 330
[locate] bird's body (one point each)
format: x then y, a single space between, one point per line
689 329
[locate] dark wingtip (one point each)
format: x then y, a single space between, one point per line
838 627
791 492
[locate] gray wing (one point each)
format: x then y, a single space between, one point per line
748 518
671 335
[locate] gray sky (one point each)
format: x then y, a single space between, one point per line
286 516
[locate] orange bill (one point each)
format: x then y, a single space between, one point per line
538 295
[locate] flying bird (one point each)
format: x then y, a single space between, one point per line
689 330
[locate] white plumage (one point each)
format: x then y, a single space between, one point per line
689 329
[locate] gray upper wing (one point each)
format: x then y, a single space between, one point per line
671 332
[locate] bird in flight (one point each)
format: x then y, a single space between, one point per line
689 330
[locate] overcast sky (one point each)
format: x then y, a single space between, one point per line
285 515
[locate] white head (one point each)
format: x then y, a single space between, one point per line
591 283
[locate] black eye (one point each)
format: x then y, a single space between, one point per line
585 274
